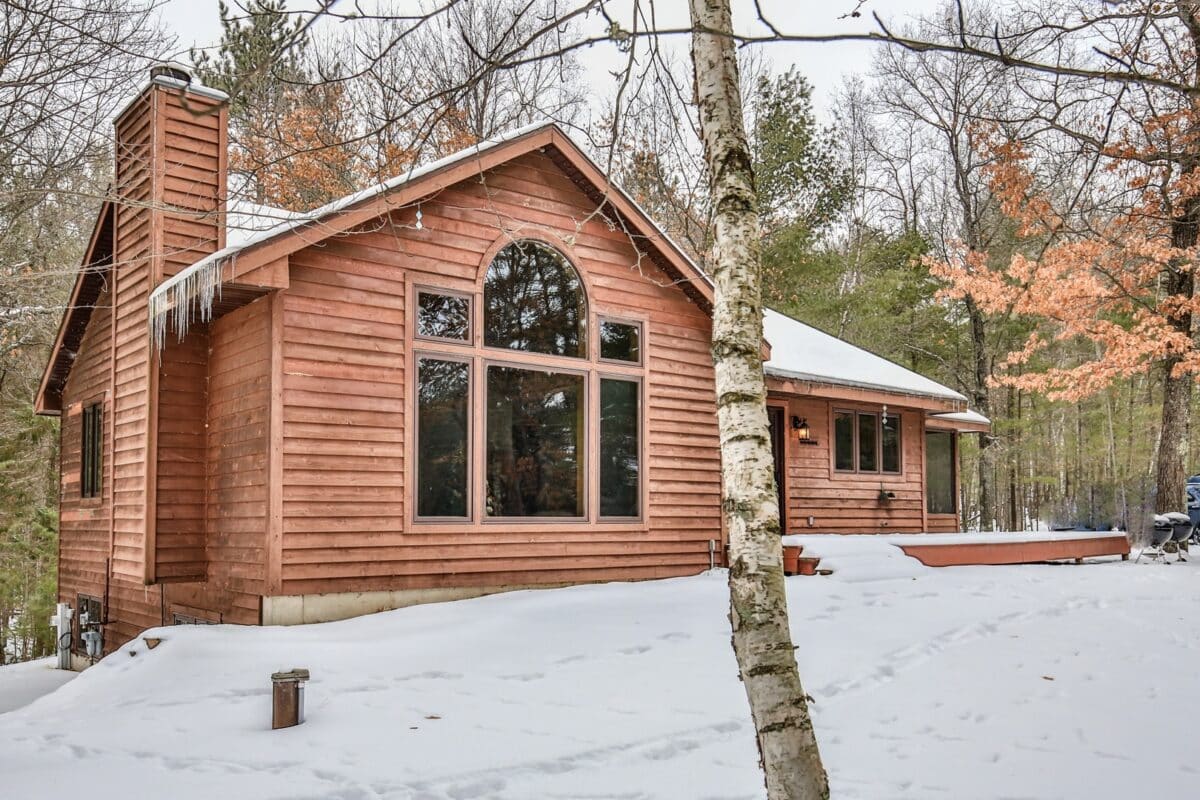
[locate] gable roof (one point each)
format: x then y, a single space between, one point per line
177 297
90 281
802 352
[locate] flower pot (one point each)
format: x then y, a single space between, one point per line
808 566
791 559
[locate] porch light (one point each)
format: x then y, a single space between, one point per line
800 430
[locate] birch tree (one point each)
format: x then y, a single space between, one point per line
757 602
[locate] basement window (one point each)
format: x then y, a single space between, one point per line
91 451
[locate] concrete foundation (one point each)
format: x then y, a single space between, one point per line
301 609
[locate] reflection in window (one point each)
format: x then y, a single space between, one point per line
868 441
443 316
620 341
533 301
534 443
442 431
890 443
843 440
619 452
939 472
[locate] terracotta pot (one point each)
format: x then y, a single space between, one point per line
808 566
791 560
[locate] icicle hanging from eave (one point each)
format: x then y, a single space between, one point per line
189 295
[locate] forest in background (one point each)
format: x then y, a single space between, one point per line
863 208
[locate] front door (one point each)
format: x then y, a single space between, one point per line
775 416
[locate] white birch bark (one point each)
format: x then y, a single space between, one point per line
758 615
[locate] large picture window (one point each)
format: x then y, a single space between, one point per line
866 442
940 490
534 443
526 419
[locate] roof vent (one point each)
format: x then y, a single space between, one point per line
171 69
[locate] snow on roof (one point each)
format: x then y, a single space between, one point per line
801 352
968 416
245 219
198 283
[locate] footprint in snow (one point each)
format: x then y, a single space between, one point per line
633 651
675 637
524 677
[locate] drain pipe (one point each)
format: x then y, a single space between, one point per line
712 554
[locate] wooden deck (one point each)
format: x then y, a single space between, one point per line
961 549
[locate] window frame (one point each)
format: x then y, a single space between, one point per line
586 461
420 289
91 451
640 381
461 358
954 477
637 323
480 355
588 338
856 414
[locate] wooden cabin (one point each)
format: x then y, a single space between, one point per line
492 372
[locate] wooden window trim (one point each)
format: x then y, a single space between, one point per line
588 462
481 355
855 413
91 464
900 426
418 289
619 320
589 313
954 477
643 484
462 358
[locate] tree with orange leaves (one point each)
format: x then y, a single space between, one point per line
1118 280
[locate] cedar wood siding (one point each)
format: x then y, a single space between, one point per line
182 456
239 394
83 529
847 502
347 377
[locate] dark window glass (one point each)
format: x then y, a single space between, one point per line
533 301
843 440
619 452
868 440
445 316
939 472
534 443
621 341
442 434
91 451
891 444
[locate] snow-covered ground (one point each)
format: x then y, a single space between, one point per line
968 683
21 684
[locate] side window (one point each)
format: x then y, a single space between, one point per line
891 443
443 316
843 440
940 490
621 341
91 451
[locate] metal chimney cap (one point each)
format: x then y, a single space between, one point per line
171 69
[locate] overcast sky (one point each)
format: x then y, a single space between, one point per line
196 24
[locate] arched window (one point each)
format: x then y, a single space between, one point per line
533 301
